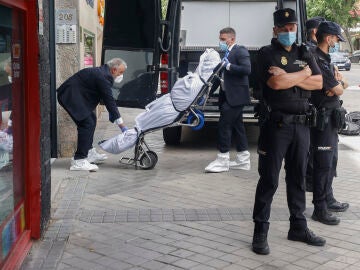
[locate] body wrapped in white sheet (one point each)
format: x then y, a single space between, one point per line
164 110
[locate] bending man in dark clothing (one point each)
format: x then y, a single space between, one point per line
79 95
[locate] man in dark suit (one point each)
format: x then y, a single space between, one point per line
234 94
79 95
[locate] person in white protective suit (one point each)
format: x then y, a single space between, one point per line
164 110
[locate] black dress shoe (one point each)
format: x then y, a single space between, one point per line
260 244
337 206
325 217
306 236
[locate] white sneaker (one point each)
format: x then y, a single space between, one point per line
82 165
95 157
220 164
242 161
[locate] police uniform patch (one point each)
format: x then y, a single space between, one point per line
284 61
286 14
300 63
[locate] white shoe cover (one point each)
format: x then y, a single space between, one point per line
82 165
242 161
220 164
95 157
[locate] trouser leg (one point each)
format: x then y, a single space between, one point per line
295 168
330 195
324 149
239 130
309 169
272 146
86 129
225 128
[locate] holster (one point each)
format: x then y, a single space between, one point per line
312 116
322 118
338 118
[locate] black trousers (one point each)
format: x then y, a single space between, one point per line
309 172
86 129
324 147
231 120
276 143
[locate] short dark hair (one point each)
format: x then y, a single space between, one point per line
320 36
228 30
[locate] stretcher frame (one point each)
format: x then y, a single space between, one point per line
144 157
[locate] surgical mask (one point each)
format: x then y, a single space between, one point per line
286 38
119 78
334 48
223 46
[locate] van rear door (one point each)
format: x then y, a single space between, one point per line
132 32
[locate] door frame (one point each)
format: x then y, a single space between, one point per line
32 119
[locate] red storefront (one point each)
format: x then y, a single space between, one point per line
20 177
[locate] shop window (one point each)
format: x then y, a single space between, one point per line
12 213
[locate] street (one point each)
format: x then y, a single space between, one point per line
351 95
353 75
175 216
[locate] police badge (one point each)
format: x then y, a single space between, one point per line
284 60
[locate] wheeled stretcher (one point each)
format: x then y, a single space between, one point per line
183 106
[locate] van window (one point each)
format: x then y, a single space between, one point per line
130 24
252 21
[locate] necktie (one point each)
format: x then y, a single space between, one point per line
227 53
222 75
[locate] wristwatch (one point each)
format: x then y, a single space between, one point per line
342 83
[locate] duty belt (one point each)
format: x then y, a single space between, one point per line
284 118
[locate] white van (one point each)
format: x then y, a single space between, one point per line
160 50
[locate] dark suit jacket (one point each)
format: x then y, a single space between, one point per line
82 92
236 81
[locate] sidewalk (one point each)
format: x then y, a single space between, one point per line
177 217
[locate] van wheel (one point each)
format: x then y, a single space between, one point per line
172 135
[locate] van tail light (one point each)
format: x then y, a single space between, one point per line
164 76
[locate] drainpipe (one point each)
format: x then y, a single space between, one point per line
53 101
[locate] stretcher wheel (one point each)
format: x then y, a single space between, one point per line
192 118
148 160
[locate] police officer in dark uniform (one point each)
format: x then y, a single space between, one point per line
332 204
311 29
330 118
287 77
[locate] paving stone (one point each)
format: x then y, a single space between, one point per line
184 263
218 264
202 267
153 265
182 253
200 258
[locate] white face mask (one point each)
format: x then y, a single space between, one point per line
119 79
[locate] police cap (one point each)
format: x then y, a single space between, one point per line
284 16
314 22
331 28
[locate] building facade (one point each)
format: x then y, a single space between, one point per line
83 51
